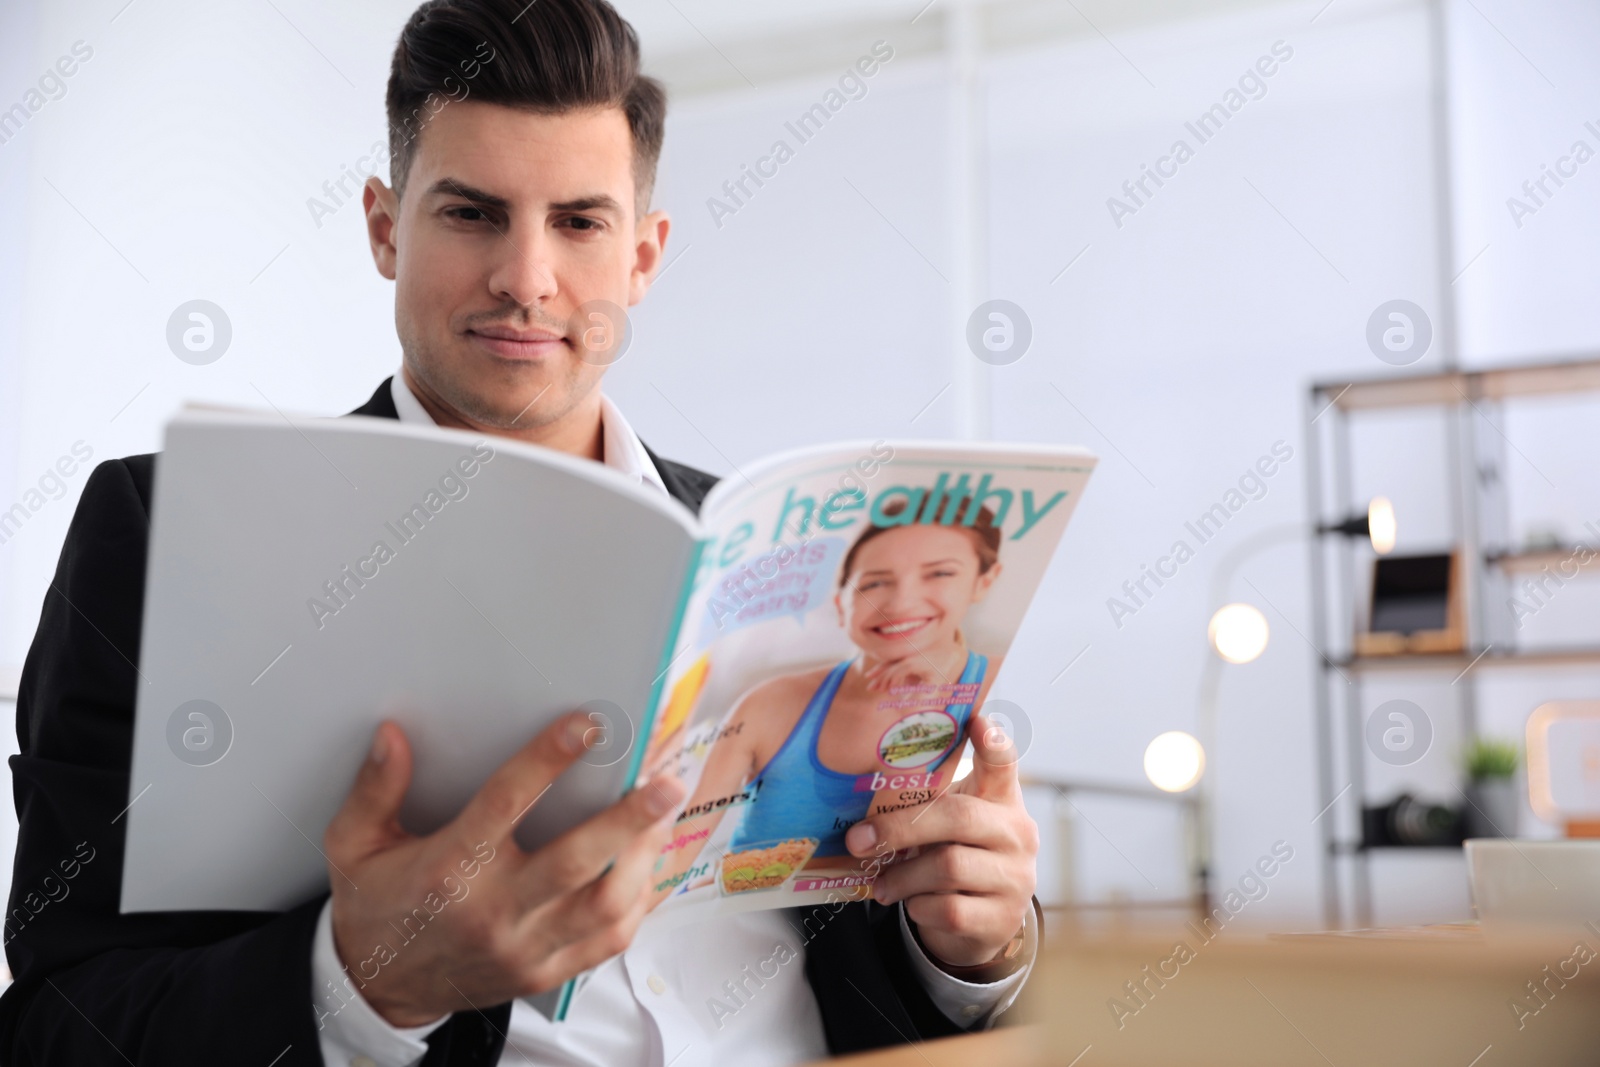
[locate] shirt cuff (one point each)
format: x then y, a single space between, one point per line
970 1005
348 1028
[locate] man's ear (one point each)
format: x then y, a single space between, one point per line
650 238
383 217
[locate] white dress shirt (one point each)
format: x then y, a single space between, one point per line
682 993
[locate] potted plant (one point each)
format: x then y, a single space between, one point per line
1493 803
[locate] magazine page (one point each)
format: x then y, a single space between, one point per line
851 611
311 577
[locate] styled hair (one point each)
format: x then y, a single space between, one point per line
985 537
547 57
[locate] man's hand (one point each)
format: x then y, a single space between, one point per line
970 884
464 917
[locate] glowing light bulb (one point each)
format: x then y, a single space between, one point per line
1174 761
1238 632
1381 525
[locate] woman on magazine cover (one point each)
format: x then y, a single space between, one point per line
806 755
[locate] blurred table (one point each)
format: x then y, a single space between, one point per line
1014 1046
1406 997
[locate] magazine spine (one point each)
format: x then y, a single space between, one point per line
647 726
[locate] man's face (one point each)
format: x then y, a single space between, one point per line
510 221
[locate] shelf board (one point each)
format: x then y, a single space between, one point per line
1351 848
1533 560
1455 387
1477 657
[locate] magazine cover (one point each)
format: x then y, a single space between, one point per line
851 612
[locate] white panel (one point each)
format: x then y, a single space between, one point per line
1526 85
1178 346
816 310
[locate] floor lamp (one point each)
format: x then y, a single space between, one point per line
1237 633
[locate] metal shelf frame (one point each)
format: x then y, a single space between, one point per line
1472 403
1475 466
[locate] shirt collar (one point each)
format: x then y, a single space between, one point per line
624 452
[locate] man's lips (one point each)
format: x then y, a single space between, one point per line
509 343
901 629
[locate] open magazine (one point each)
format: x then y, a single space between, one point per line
810 649
850 612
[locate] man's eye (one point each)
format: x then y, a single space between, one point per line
581 223
467 214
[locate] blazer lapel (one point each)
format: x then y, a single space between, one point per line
381 404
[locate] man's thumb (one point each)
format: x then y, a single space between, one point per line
370 815
994 757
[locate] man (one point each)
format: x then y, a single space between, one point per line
516 204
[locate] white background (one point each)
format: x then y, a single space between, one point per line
1178 346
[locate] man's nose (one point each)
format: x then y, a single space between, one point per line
523 272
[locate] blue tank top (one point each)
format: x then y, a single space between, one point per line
798 797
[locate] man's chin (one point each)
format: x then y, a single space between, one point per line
515 395
504 394
532 412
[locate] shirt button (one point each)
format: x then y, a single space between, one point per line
363 1061
656 983
972 1011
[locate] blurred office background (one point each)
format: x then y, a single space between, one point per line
1176 339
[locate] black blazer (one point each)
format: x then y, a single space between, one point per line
97 987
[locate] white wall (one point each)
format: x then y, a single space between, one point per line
1183 339
179 163
16 53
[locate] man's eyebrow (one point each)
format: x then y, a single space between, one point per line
451 187
598 201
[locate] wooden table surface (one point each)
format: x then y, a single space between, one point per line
1011 1046
1405 997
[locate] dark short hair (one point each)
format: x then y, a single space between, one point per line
548 57
984 533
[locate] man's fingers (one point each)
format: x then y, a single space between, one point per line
961 815
626 884
960 914
949 817
494 812
370 816
595 947
941 869
599 919
581 854
995 761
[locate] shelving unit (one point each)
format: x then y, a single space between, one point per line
1472 403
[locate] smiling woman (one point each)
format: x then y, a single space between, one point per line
822 748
